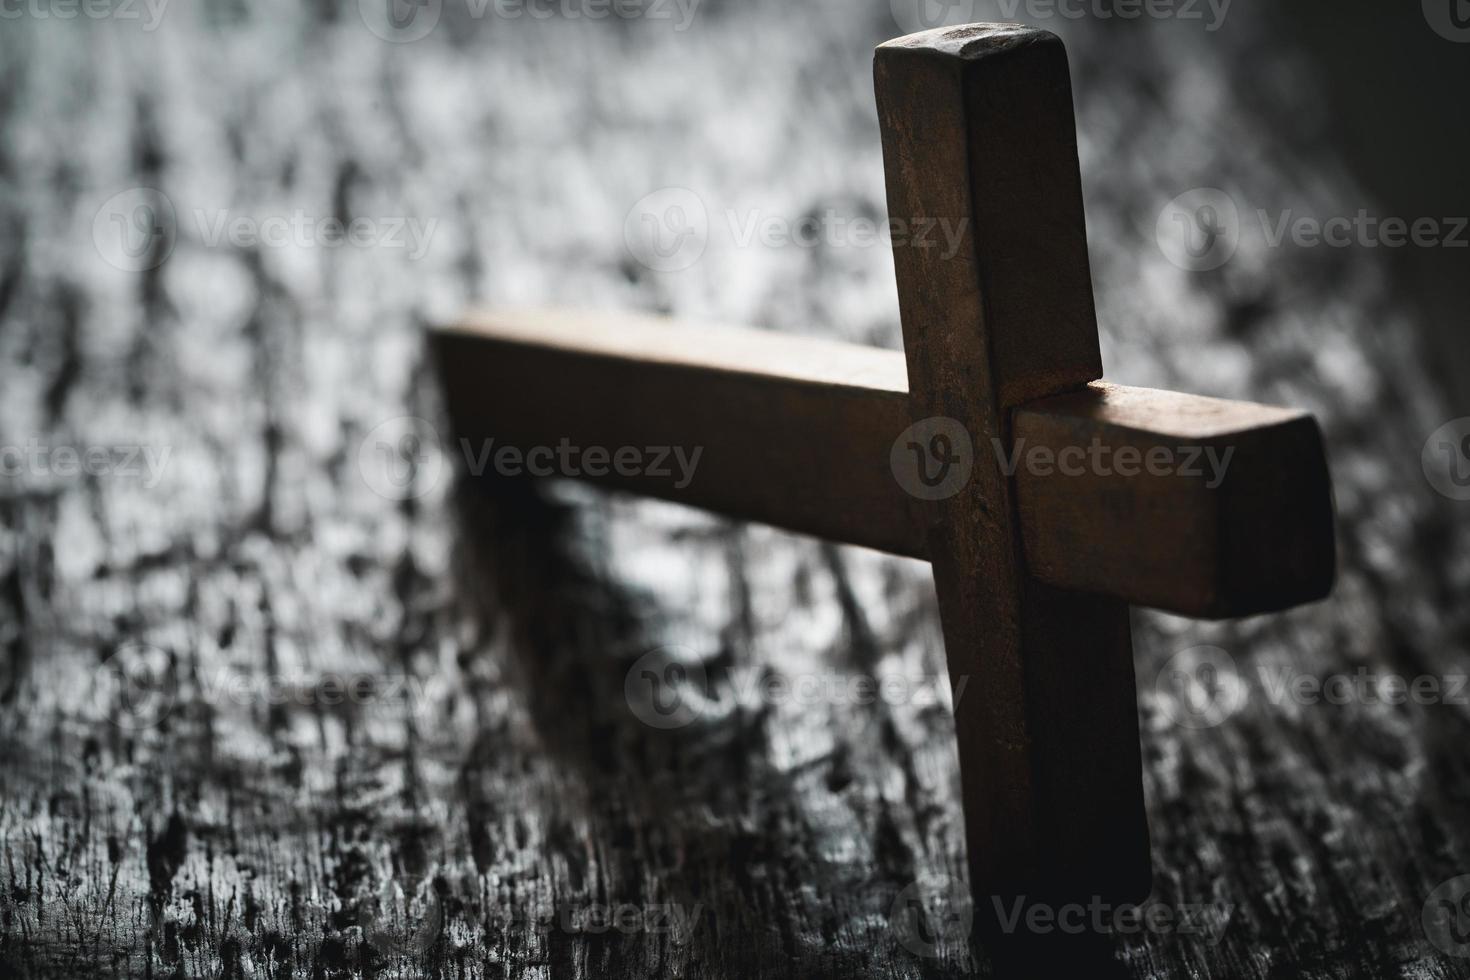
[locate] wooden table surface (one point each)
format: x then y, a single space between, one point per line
489 805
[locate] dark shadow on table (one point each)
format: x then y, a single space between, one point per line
574 633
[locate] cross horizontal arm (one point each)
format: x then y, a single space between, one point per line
1194 505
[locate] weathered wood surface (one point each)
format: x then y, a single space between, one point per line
255 834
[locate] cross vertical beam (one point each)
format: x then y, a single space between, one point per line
978 131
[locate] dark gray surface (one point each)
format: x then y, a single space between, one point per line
242 837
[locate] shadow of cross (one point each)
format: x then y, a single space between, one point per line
1047 501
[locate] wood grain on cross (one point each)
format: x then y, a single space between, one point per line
1046 500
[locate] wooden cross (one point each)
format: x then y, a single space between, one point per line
1046 537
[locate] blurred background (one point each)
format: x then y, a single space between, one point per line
224 228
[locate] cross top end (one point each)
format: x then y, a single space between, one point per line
970 41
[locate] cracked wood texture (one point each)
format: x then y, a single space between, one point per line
487 795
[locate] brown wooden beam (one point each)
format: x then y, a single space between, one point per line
820 418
